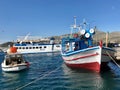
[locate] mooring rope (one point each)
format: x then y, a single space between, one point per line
40 78
112 58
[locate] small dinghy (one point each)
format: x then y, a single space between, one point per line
14 62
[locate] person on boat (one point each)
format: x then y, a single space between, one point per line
19 61
76 46
14 61
8 61
67 47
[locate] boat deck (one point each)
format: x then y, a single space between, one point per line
117 54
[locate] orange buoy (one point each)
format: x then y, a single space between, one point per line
12 50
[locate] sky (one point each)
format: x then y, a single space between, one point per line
46 18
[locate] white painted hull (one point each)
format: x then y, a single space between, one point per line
89 58
38 48
14 68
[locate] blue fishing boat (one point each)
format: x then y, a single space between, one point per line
79 52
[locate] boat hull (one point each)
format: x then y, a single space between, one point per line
89 58
42 48
90 66
14 68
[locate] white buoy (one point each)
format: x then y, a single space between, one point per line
83 31
92 31
87 35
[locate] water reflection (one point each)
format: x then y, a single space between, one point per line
10 76
41 54
83 79
12 80
61 79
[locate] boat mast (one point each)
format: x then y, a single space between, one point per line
74 26
25 38
107 39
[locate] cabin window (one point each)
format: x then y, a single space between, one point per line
44 46
23 47
67 46
8 61
30 47
76 46
33 47
28 43
26 47
16 47
36 47
19 47
40 47
57 46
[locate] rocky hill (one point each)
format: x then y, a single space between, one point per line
114 37
6 44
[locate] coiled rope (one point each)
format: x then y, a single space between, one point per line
40 78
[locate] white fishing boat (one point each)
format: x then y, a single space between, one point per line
79 52
14 62
117 54
37 46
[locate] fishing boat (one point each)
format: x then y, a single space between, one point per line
41 45
117 54
78 51
14 62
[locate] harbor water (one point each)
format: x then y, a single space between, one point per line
48 72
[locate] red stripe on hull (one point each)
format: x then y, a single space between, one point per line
86 56
90 66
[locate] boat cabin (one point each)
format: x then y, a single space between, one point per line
73 44
13 59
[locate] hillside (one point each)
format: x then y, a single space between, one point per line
6 44
114 37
